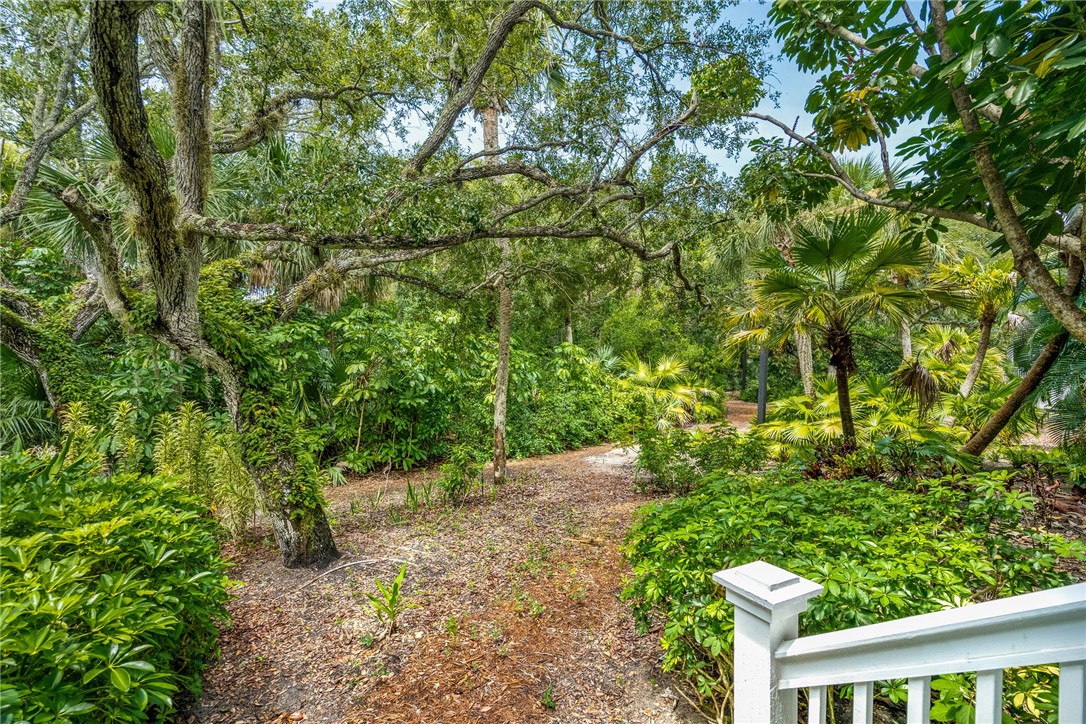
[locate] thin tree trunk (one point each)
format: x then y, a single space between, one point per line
806 362
906 340
569 326
501 382
743 364
986 322
763 384
980 441
505 314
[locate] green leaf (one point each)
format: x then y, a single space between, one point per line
1024 91
998 45
120 679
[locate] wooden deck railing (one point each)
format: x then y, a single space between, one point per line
772 664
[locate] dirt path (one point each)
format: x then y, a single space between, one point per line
515 618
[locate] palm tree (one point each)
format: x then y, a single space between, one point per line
670 396
988 291
842 272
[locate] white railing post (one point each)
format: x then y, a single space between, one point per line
768 601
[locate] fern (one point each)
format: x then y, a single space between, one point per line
208 463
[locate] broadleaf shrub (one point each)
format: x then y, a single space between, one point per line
113 590
881 552
674 459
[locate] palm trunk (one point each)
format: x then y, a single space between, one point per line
906 340
806 362
848 428
1032 379
987 320
839 344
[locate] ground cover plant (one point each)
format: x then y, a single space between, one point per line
881 551
113 592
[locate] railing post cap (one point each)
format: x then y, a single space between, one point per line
762 588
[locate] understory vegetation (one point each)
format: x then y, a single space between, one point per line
882 552
254 250
114 590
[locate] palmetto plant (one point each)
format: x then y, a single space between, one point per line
841 274
670 395
881 410
25 415
988 291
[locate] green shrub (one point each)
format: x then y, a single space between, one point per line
112 592
461 474
722 448
675 458
882 553
665 459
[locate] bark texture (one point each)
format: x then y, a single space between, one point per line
839 344
505 315
1031 380
806 362
1026 260
173 253
987 321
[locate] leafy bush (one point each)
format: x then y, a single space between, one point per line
722 448
112 592
881 552
675 458
667 456
461 474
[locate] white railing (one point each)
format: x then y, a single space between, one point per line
772 664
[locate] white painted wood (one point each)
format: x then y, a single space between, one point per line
1030 630
816 705
990 696
919 711
768 601
1072 692
771 664
863 702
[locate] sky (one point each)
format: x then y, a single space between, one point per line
792 84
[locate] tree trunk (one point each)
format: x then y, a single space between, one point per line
844 402
806 362
287 482
987 320
839 344
980 441
285 477
501 381
1026 260
906 340
505 314
1040 367
763 384
569 326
